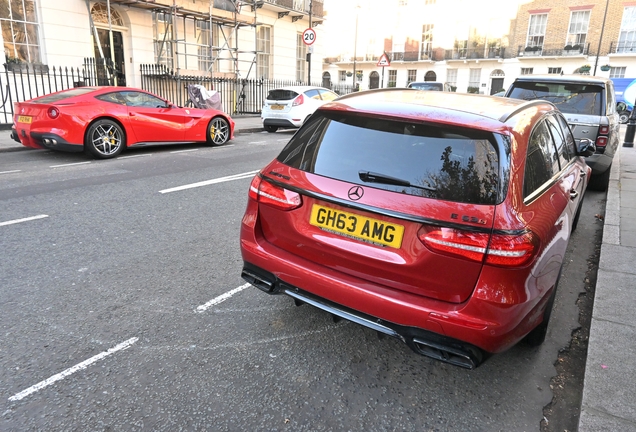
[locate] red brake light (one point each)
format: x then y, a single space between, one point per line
510 250
497 249
267 193
298 101
53 112
601 141
603 130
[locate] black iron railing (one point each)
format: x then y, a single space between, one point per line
474 53
558 50
24 81
238 96
623 47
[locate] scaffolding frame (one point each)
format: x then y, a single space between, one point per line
229 23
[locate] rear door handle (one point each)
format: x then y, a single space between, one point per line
573 194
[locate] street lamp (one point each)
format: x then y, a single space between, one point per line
355 47
598 51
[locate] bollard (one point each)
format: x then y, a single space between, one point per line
631 129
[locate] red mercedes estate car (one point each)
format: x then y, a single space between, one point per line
441 219
104 120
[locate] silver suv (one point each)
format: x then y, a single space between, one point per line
589 105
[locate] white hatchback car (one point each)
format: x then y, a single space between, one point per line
289 107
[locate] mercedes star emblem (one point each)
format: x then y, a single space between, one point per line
355 193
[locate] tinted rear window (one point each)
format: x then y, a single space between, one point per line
65 95
579 98
281 94
427 86
439 162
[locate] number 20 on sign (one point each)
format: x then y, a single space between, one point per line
309 36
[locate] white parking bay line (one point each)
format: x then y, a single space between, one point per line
9 172
72 370
70 164
15 221
134 156
222 298
183 151
210 182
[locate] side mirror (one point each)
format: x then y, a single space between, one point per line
621 106
586 147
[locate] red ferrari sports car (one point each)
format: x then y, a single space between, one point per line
104 120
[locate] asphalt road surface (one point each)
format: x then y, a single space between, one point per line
123 309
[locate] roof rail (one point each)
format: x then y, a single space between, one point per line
504 118
378 90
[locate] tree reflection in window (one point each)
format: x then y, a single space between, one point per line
468 181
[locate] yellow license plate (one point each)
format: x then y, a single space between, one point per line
277 107
356 226
25 119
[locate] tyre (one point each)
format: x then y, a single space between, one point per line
218 131
537 335
623 117
575 222
600 182
105 139
271 129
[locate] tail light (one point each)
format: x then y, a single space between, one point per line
496 249
602 138
298 101
53 112
265 192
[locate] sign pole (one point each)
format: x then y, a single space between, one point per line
383 62
309 53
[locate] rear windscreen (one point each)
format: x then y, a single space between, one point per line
455 164
281 95
65 95
578 98
427 86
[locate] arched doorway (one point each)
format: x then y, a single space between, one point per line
326 80
374 80
430 76
496 81
102 45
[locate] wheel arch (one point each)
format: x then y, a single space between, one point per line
106 117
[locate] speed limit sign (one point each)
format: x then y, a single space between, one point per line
309 36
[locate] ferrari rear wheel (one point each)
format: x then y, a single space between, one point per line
218 131
105 139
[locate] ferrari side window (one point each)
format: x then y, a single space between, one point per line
113 98
139 99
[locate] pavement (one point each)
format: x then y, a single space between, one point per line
609 393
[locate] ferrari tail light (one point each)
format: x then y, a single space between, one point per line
496 249
53 112
267 193
298 101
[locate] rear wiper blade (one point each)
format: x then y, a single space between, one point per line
373 177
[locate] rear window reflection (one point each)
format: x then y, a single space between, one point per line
451 164
569 98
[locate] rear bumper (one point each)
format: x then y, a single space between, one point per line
599 162
419 340
283 123
44 141
491 323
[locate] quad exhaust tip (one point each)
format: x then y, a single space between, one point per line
457 354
